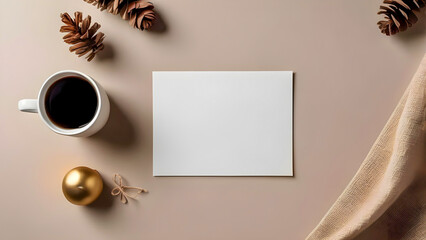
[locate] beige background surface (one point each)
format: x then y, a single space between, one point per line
348 78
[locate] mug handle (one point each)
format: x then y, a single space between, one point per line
28 105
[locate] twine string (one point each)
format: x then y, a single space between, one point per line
120 189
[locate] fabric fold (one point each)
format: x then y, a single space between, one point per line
390 182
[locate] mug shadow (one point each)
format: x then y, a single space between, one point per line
118 132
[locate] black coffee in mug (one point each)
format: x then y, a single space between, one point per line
71 102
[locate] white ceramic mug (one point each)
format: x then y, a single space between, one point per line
38 106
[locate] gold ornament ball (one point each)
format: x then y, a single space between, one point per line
82 185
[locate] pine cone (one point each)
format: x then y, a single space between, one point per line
81 35
139 12
399 15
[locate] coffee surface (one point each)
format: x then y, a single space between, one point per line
71 102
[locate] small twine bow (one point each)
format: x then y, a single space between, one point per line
121 190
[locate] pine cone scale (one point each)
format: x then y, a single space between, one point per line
78 17
93 29
66 29
85 25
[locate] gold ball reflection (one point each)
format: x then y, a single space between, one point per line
82 185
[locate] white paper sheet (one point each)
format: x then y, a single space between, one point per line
222 123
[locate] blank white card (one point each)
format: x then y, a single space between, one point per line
222 123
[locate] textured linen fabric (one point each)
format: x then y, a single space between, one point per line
386 198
